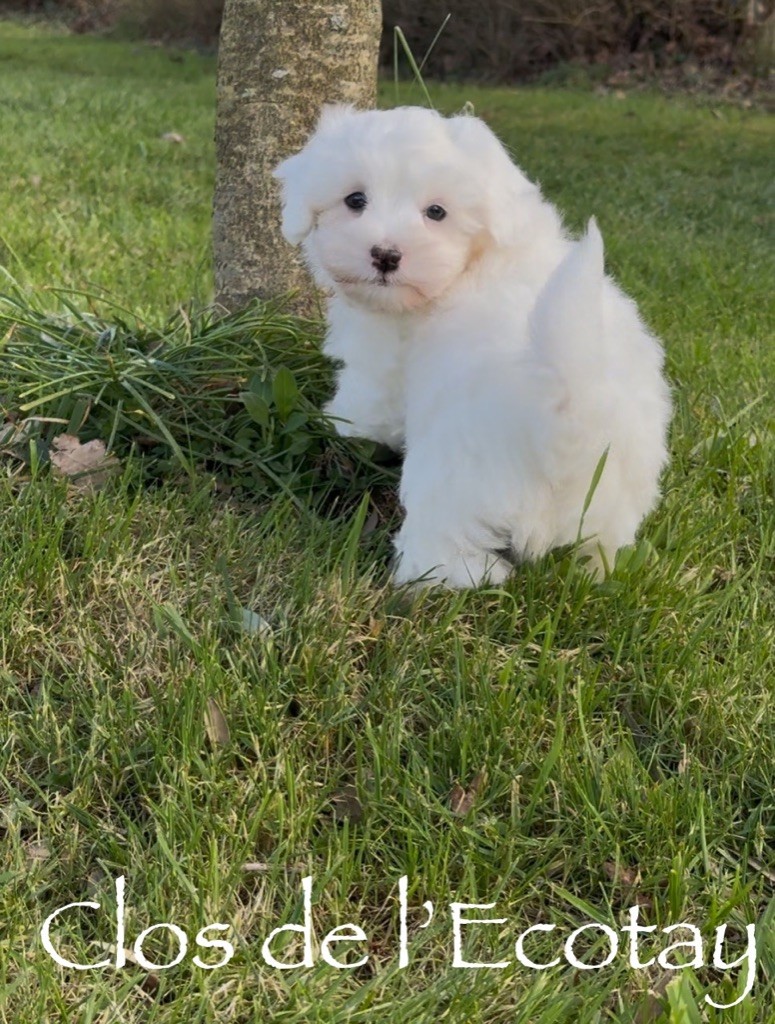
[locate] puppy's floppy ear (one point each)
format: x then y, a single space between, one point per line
298 214
334 114
505 191
297 176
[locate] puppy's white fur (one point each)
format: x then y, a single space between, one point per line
498 355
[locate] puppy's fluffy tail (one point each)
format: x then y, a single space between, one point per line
566 324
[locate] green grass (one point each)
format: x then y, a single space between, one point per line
92 196
624 734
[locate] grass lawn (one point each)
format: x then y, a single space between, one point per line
214 693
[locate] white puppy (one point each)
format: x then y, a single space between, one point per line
476 337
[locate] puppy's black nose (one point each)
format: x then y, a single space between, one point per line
385 260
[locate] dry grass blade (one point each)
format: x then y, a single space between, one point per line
216 726
753 863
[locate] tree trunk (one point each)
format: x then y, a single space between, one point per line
279 61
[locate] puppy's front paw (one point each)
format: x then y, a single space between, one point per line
352 420
454 568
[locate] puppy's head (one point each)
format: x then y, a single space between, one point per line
394 206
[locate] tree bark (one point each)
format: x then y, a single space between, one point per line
760 26
279 61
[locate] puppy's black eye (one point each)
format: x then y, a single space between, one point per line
355 200
435 212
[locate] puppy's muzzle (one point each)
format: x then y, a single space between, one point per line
385 260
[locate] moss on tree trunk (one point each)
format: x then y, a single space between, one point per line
278 63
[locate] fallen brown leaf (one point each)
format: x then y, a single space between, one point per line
620 875
95 880
86 466
38 851
628 880
652 1006
462 800
346 804
150 982
375 627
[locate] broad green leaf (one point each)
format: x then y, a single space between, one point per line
257 407
285 392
